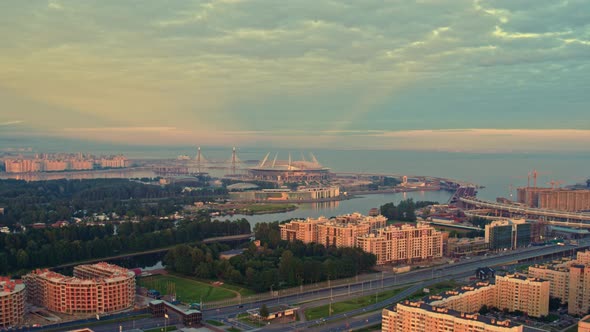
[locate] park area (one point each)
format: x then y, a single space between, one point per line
186 290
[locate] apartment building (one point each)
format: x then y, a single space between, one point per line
558 277
341 234
12 302
98 288
527 294
418 316
569 281
466 298
340 231
579 289
456 310
403 243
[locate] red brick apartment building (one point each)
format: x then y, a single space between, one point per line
98 288
12 302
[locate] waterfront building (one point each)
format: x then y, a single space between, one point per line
289 171
508 234
341 234
274 195
12 302
418 316
571 200
63 162
302 230
340 231
99 288
399 243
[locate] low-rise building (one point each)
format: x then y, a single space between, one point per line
461 247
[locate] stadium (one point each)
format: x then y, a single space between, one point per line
289 170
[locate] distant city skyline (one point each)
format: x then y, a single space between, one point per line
444 75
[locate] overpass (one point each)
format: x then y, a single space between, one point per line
563 217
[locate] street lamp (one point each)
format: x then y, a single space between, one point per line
166 322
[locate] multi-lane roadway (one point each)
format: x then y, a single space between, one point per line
390 280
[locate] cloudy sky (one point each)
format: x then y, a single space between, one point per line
427 74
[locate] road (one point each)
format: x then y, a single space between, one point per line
345 321
389 281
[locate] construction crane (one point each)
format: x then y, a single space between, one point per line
554 184
535 175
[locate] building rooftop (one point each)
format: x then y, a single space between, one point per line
523 277
462 315
457 291
8 286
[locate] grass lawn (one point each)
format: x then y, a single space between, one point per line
239 289
370 328
233 329
348 305
435 289
245 318
214 323
573 328
187 290
100 322
268 208
160 329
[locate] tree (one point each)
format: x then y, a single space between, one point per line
484 310
264 311
554 303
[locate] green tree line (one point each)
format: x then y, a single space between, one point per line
49 247
275 263
49 201
405 210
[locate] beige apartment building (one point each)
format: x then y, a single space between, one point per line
579 290
403 243
558 277
456 310
466 298
527 294
341 231
341 234
569 281
418 316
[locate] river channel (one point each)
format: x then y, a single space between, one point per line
361 204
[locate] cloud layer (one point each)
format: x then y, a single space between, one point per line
210 71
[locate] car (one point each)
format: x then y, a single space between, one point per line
241 306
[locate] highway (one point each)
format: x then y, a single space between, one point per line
389 281
568 216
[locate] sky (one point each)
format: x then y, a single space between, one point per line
444 75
